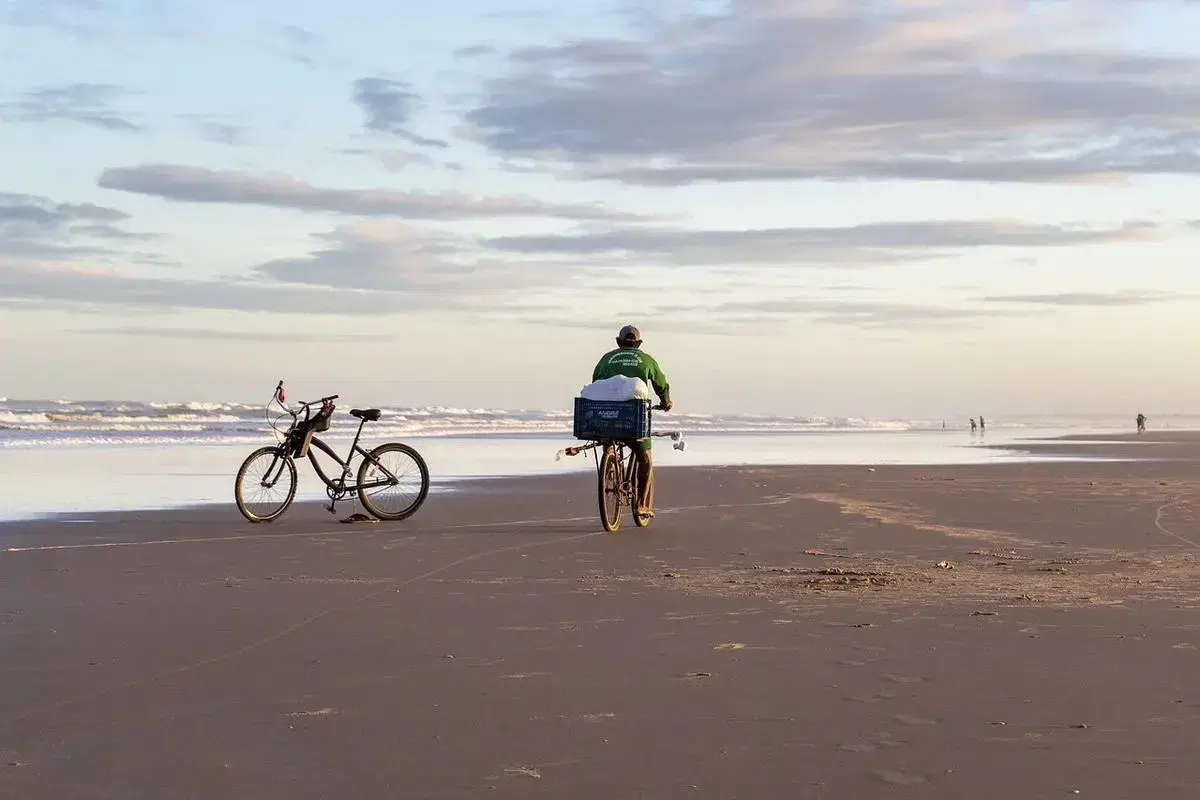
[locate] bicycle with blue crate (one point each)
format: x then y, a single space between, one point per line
611 427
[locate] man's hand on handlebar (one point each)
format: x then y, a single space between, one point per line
667 406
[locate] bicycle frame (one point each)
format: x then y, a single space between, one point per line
339 485
336 488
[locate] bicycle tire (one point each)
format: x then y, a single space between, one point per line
638 519
239 494
610 477
367 464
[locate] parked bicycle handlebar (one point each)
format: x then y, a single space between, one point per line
279 398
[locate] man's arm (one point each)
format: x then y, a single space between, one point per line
658 379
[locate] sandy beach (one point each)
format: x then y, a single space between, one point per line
999 631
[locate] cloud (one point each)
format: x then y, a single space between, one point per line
864 314
44 213
371 268
519 14
1083 299
72 16
866 243
718 325
475 51
34 228
77 289
384 267
395 160
199 185
300 36
387 256
375 255
89 19
240 336
388 106
771 90
84 103
775 314
80 289
221 132
112 232
297 43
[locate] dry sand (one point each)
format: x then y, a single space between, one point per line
949 632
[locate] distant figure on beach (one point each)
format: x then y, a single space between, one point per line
981 423
1141 423
629 360
972 424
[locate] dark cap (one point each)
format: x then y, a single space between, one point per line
629 334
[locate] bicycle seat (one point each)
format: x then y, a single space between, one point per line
366 414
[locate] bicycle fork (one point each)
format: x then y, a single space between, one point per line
269 482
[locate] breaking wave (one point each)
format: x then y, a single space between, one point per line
67 422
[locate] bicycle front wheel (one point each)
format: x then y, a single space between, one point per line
610 489
396 486
265 485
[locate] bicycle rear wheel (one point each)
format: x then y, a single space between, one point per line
610 489
633 471
265 485
398 495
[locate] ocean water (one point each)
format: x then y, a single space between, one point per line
67 422
78 457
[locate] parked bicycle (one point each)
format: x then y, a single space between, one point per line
617 473
392 480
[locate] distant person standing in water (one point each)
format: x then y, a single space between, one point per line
1141 423
981 423
972 424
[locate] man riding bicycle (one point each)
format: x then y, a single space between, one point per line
629 360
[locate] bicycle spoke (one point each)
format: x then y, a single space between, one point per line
265 485
393 483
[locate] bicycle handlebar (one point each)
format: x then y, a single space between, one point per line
323 400
279 398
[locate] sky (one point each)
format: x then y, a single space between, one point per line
880 208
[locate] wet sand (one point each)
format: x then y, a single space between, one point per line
1173 445
984 632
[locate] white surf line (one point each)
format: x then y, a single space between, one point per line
320 534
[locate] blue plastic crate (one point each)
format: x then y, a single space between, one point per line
609 419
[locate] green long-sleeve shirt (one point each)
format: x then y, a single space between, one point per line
634 364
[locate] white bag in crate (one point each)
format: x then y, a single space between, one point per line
618 388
